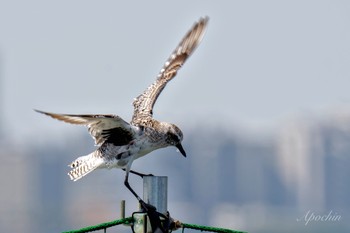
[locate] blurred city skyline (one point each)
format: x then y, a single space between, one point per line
263 103
234 182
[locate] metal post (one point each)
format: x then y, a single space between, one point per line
122 209
155 192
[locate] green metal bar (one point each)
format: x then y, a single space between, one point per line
129 220
102 225
211 229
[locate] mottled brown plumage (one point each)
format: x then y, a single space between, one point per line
143 104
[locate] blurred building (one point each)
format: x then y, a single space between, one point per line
1 99
301 164
17 183
313 156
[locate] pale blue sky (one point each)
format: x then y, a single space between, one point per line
259 63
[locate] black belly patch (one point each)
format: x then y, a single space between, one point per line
123 155
117 136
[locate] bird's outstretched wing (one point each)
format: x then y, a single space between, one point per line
103 128
143 104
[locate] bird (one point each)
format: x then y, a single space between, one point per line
119 142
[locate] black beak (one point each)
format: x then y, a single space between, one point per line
181 149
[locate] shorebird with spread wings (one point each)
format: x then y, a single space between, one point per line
119 142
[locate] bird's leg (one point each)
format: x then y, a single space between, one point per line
138 173
151 211
146 207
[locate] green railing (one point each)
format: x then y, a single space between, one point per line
129 220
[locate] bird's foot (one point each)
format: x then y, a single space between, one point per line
139 174
146 207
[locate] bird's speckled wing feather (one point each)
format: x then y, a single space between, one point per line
103 128
143 104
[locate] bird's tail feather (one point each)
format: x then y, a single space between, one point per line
84 165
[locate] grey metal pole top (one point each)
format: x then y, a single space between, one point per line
155 192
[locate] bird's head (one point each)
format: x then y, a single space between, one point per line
174 137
